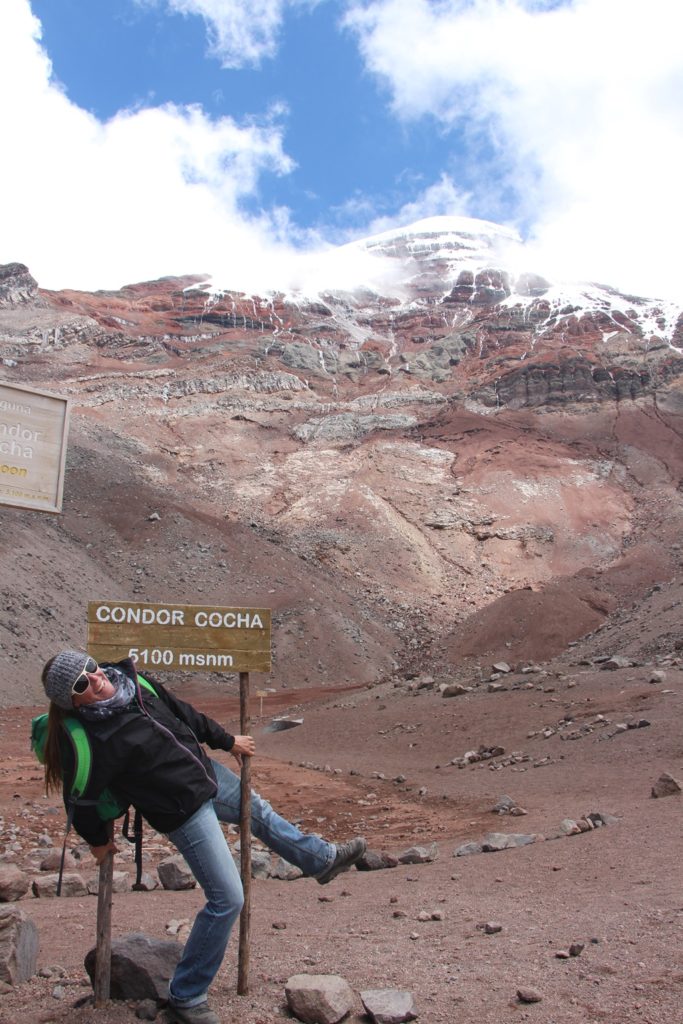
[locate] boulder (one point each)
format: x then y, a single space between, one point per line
46 885
120 882
388 1005
455 690
419 854
372 860
285 871
468 848
18 946
53 859
260 864
496 841
319 998
615 662
666 785
175 874
13 883
141 966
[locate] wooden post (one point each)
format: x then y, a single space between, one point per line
245 844
103 945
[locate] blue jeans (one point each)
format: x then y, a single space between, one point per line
202 844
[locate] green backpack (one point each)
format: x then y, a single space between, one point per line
107 805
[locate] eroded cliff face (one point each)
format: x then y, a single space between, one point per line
380 470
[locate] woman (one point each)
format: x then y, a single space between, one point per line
148 750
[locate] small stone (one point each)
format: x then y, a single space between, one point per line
467 848
576 948
492 928
319 998
279 925
666 785
529 995
146 1010
388 1006
562 954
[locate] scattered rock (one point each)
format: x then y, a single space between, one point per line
46 885
174 874
147 882
376 861
13 883
576 948
455 690
496 841
388 1005
468 848
666 785
319 998
120 883
501 666
141 966
285 871
147 1010
260 863
18 946
615 662
53 859
529 995
492 928
419 854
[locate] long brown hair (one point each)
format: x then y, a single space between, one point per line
53 753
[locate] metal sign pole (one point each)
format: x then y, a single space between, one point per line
103 946
245 844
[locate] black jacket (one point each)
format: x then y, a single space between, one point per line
151 757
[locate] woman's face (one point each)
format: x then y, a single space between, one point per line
99 688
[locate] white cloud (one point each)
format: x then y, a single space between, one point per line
441 198
581 101
152 191
241 32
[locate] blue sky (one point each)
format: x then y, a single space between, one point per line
250 139
338 131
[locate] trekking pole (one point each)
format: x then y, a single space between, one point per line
245 844
103 945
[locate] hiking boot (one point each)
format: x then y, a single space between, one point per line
200 1014
345 857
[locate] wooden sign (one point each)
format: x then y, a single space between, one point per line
192 638
33 429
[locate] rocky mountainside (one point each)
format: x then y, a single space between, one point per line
475 462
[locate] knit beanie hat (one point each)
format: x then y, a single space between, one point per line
61 676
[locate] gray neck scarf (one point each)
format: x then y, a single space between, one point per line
124 695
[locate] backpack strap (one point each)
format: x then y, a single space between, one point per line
147 685
137 839
82 755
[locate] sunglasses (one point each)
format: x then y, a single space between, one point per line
81 682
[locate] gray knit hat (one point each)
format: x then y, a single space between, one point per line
61 676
